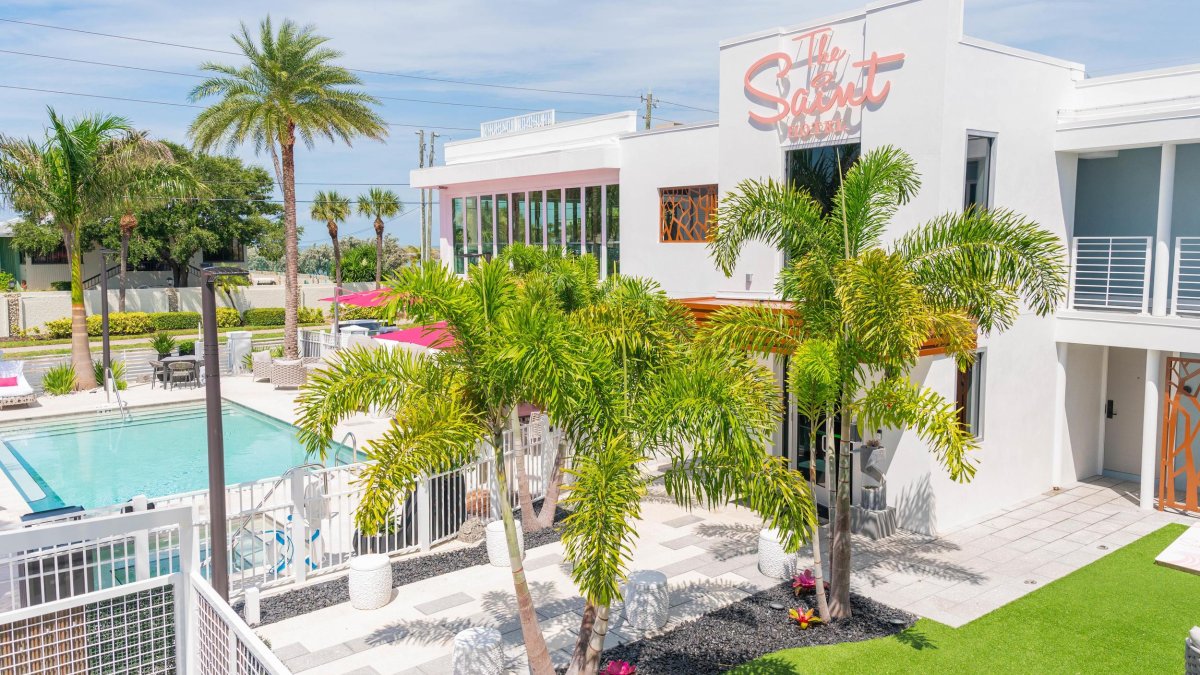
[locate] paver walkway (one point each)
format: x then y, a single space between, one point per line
710 560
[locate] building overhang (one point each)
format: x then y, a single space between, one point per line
1136 130
574 160
1132 331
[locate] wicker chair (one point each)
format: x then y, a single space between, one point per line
262 364
158 374
20 393
1192 655
182 371
288 373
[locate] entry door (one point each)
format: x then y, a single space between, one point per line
1179 469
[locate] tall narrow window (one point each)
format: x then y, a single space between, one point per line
502 233
519 221
684 213
572 220
968 394
554 218
536 224
819 171
591 221
458 245
612 242
977 189
471 225
487 232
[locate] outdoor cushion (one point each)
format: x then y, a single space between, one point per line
8 381
22 389
282 362
11 368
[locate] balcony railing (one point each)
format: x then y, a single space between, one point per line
1111 273
1185 277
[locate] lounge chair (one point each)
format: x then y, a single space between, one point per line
288 373
261 366
14 388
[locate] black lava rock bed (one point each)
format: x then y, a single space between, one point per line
320 595
748 629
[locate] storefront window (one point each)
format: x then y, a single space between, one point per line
977 189
487 233
520 231
684 213
536 224
502 234
612 205
554 218
456 216
573 220
816 170
591 221
471 225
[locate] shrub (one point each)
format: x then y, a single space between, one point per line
60 285
348 312
59 328
162 344
59 380
122 323
263 316
311 315
228 317
5 277
187 347
175 320
118 370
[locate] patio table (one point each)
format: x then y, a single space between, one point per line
190 358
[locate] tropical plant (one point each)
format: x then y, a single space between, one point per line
118 372
162 344
378 203
804 618
867 309
620 668
69 180
60 379
332 208
290 88
187 347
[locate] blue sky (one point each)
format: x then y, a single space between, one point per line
620 47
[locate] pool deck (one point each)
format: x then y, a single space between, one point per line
259 396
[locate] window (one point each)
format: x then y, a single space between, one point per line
612 206
977 188
486 228
502 234
519 215
816 170
572 223
471 245
232 251
456 217
591 221
56 257
554 218
536 233
684 213
968 394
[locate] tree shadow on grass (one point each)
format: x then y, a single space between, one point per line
915 639
767 665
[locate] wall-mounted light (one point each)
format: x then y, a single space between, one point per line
749 280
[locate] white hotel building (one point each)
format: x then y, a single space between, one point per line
1107 385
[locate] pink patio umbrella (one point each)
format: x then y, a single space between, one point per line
432 336
373 298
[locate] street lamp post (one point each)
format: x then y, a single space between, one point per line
218 525
106 355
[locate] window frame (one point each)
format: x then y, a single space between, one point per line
993 140
970 394
709 213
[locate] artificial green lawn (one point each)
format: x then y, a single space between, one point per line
1121 614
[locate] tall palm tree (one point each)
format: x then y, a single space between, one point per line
332 208
290 88
378 203
71 178
872 306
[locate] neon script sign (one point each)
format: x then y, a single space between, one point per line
824 104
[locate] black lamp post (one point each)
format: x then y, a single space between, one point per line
105 354
218 529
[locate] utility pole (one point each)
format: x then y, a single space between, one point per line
421 164
433 136
648 99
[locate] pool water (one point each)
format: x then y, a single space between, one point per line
99 460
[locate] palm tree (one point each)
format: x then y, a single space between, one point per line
290 88
378 203
70 179
872 307
332 208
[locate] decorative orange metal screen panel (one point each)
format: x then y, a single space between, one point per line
1181 437
684 212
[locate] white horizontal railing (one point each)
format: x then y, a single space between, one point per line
1185 280
1111 273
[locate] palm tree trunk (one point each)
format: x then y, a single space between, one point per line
554 487
818 574
291 291
839 605
591 662
529 519
81 353
124 267
579 656
536 651
378 252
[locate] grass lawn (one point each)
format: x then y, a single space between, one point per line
1121 614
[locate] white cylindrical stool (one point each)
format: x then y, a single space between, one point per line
370 581
772 560
497 543
478 651
647 600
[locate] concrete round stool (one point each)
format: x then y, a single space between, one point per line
497 543
647 600
370 581
478 651
772 560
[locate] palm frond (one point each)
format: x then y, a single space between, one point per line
898 403
769 212
878 183
759 329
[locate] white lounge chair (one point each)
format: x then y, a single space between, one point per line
18 394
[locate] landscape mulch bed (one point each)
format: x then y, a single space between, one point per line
407 570
748 629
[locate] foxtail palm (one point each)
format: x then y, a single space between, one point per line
70 179
874 306
378 203
332 208
289 89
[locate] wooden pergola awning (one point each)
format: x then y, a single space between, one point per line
704 307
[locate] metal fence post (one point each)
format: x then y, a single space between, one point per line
141 543
299 528
424 515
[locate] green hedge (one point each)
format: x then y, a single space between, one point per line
175 320
263 316
187 347
310 315
349 312
60 285
228 317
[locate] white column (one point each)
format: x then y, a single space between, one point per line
1150 414
1100 432
1162 237
1060 417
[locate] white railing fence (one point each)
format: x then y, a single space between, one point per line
1111 273
117 593
316 343
1185 278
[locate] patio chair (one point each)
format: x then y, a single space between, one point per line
158 373
262 364
181 371
290 374
14 388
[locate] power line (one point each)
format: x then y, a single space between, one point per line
684 105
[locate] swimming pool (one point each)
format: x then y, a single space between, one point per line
98 460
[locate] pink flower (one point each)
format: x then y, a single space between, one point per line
620 668
803 583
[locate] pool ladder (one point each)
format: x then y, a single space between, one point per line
353 445
122 406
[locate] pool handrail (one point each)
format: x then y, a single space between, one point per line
122 406
353 447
